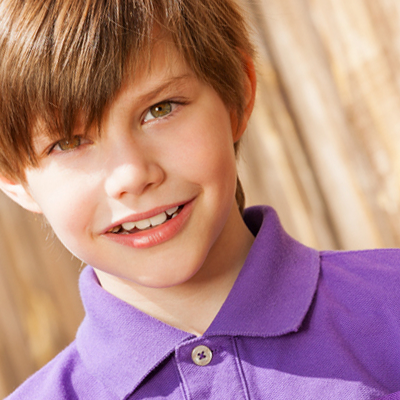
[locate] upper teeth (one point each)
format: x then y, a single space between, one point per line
128 225
147 222
171 210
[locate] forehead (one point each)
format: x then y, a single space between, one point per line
164 66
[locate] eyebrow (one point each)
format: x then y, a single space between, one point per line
171 83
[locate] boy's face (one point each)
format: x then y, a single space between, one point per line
166 142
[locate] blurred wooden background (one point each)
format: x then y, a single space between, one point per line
323 148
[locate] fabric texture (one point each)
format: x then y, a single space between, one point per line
297 324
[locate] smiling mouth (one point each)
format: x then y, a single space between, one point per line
147 223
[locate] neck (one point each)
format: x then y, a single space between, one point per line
192 305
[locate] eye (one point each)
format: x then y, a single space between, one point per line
65 145
159 110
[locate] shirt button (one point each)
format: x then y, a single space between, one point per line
202 355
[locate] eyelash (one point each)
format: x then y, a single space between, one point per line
81 141
173 104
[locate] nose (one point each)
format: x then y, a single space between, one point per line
131 169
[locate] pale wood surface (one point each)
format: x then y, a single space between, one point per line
40 305
322 147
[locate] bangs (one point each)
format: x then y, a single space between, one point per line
70 63
66 59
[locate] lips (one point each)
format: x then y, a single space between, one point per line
146 223
152 235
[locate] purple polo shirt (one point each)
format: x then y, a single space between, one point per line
297 324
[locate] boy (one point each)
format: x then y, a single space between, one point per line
119 121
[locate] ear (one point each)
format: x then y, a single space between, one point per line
250 87
20 194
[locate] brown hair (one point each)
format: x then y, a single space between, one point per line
61 58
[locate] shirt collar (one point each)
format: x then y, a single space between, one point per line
119 344
270 297
276 285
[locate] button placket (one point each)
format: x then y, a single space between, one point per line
209 370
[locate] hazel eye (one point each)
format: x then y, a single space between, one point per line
158 111
68 144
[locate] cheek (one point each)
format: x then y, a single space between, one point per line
207 152
64 200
